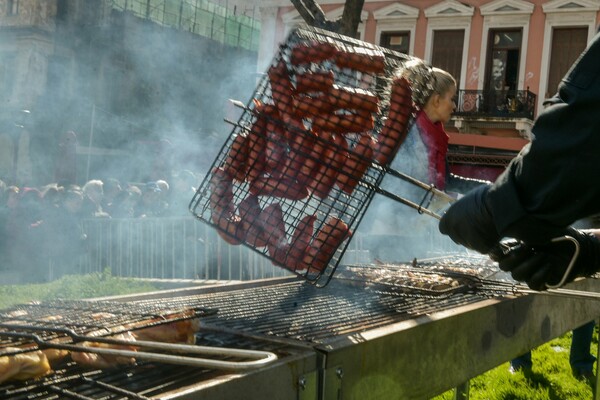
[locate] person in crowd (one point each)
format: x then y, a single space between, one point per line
112 187
181 193
149 204
164 196
93 191
125 202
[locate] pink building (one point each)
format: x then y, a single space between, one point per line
507 55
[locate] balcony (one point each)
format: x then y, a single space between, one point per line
496 104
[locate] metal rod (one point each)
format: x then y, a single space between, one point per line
258 357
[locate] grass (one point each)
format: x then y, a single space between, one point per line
71 287
550 379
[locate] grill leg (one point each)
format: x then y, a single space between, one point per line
461 392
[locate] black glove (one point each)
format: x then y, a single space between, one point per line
546 264
469 222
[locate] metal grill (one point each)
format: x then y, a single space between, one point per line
279 143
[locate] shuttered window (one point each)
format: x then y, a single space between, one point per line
447 51
567 45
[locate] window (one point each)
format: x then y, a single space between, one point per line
397 41
504 50
447 51
567 45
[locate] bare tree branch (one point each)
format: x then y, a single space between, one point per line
313 15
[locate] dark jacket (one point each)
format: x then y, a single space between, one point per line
553 179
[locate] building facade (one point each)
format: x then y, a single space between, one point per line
507 56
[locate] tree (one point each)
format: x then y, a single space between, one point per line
347 24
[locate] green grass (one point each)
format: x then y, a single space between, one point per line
71 287
550 378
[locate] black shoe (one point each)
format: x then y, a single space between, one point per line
585 376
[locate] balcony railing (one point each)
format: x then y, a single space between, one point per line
495 103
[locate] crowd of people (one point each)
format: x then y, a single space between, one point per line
42 223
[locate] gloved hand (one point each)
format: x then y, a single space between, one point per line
546 264
469 222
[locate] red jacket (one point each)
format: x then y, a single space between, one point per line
436 140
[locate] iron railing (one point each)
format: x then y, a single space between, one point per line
495 103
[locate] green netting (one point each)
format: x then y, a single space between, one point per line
201 17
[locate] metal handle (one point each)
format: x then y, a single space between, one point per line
258 357
571 263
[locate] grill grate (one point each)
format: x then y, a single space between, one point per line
141 381
267 185
98 318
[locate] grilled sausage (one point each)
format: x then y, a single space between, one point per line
271 221
257 143
302 237
249 210
357 162
314 52
235 162
320 81
331 235
361 59
358 121
276 146
334 155
352 99
221 192
394 131
282 90
306 106
278 187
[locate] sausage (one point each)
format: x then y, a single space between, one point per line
282 90
313 52
271 221
278 187
314 148
361 59
320 81
311 106
261 109
302 237
394 131
334 156
300 145
352 99
235 162
358 121
221 192
357 162
229 227
249 210
276 146
331 235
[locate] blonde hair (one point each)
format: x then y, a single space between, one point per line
427 81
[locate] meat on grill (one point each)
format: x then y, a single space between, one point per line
94 360
23 366
173 332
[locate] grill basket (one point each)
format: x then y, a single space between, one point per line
301 165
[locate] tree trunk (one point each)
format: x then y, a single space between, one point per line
313 15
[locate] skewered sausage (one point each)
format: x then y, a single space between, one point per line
314 52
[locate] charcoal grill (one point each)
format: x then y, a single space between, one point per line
344 341
305 160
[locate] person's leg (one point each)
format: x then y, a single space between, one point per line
582 362
521 362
